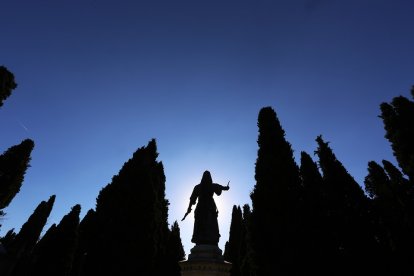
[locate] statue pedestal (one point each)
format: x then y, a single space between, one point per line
205 260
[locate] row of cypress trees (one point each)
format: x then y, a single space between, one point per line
311 218
126 234
316 219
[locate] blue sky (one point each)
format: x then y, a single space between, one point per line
98 79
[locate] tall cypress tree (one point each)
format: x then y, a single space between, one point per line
274 227
385 211
233 246
392 217
316 242
29 233
13 165
7 84
399 126
131 214
20 249
88 229
175 252
353 244
245 248
54 253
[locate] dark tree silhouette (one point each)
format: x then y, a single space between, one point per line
7 84
232 250
402 186
399 126
386 214
353 245
392 211
175 252
377 183
20 248
131 217
13 165
86 235
316 242
53 254
8 238
274 228
245 248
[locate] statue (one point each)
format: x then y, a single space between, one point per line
206 229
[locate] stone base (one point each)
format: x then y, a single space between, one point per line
205 260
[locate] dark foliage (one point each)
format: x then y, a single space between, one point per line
245 247
131 217
402 186
399 126
175 252
13 165
316 241
20 248
7 84
377 183
86 236
7 240
392 216
274 228
232 250
29 234
352 242
54 253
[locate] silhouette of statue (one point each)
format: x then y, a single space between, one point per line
206 230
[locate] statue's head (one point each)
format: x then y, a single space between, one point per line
206 178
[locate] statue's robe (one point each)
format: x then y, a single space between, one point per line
206 230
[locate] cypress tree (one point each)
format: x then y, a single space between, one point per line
384 211
4 243
20 249
53 255
399 127
8 238
316 238
377 183
7 84
245 248
29 233
352 235
40 262
274 227
13 165
233 246
335 172
400 185
310 175
392 217
131 214
175 252
86 236
403 217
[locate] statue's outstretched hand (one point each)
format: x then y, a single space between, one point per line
188 211
228 185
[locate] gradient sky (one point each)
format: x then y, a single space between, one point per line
98 79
